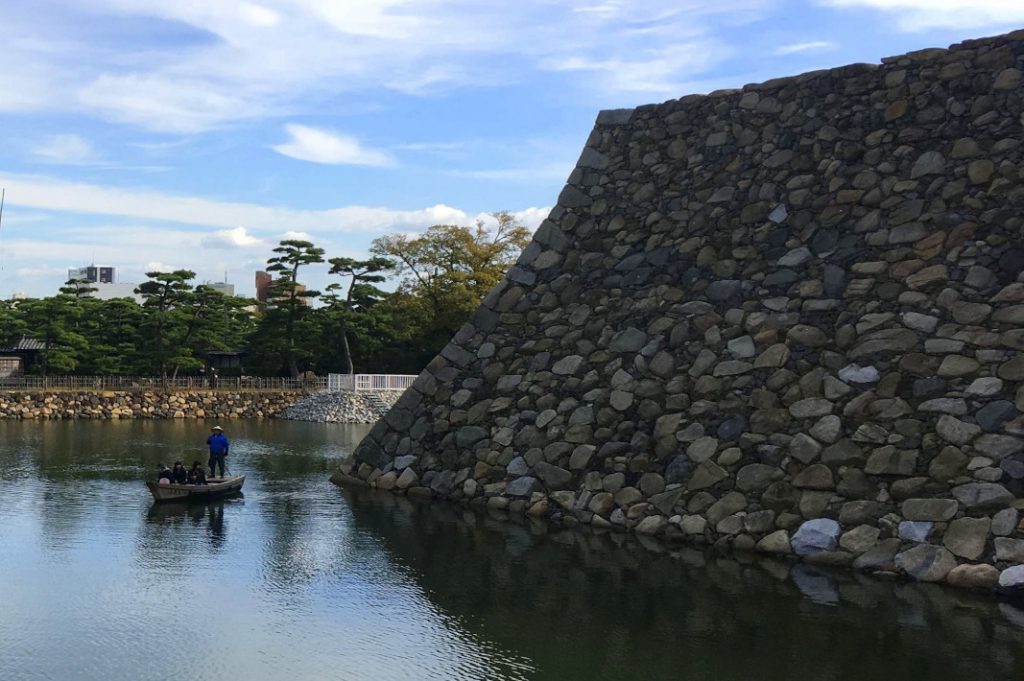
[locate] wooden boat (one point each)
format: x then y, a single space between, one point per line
215 487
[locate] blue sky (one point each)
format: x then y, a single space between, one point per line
148 134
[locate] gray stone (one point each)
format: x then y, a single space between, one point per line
928 163
581 456
553 476
926 563
756 477
980 495
859 539
612 117
810 407
742 347
1010 550
965 537
567 365
702 449
629 340
998 447
827 429
955 431
879 557
733 502
467 436
407 479
816 476
651 484
775 543
993 415
706 475
938 510
891 461
1004 523
1012 578
720 291
517 467
522 487
984 387
820 534
804 448
915 530
854 373
678 470
403 462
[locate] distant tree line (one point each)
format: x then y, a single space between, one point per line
353 325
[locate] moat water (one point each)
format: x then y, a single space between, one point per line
299 580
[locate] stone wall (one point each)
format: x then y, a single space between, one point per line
785 318
365 406
143 404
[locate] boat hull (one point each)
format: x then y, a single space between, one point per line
217 487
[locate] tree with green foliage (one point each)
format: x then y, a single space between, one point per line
163 321
113 329
360 296
12 322
289 301
53 321
213 321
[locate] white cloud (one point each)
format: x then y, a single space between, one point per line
157 266
65 150
236 61
324 146
917 15
548 171
236 238
75 197
804 47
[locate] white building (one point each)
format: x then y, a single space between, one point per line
222 287
111 291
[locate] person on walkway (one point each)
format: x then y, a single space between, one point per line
179 475
196 475
218 443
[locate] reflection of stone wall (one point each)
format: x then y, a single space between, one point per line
143 404
785 318
626 612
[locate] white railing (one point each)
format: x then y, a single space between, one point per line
361 382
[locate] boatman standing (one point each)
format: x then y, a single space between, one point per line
218 443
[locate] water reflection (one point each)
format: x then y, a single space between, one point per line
299 581
99 583
582 608
210 515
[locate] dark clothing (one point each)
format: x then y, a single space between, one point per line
216 460
197 476
179 476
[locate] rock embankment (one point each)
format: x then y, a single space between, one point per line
786 318
143 404
342 407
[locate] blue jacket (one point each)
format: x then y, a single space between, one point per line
218 443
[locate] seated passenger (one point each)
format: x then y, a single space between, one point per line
179 475
196 475
164 475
